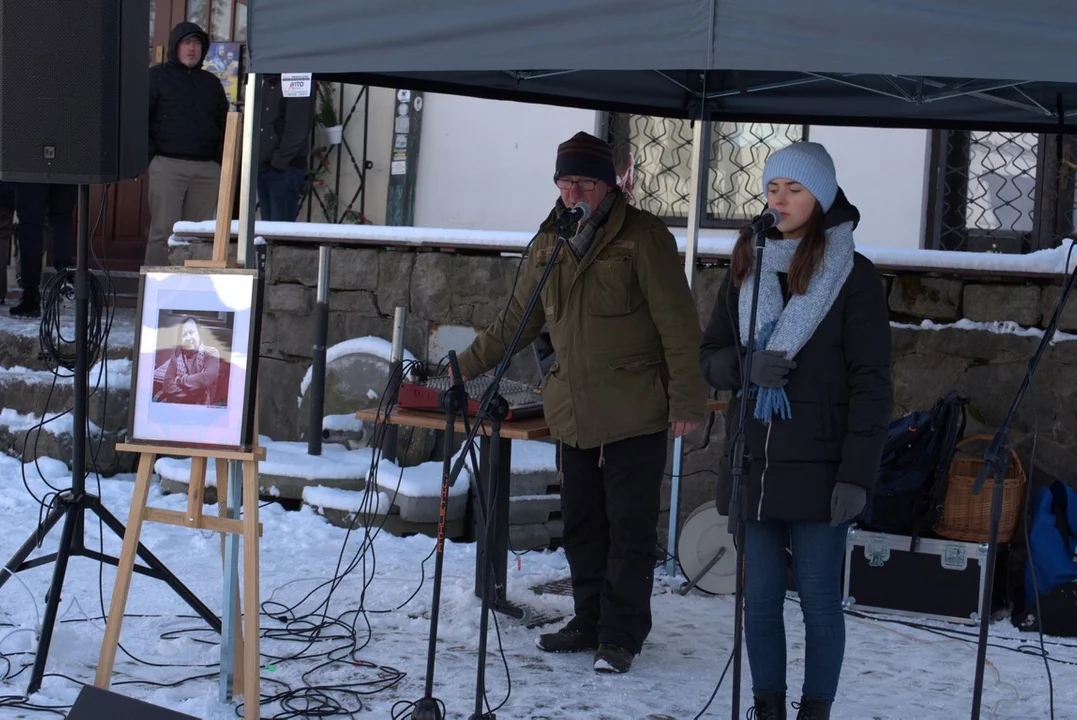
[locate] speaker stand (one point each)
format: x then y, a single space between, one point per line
72 504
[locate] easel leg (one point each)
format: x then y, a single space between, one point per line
251 612
228 494
124 570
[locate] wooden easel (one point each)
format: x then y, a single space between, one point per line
247 657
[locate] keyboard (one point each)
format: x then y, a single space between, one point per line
522 399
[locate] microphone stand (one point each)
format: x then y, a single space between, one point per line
453 402
494 407
738 508
997 459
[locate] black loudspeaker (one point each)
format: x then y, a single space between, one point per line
74 90
93 703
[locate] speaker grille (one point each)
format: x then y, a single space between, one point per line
61 64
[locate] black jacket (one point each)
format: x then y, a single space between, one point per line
285 127
188 107
840 394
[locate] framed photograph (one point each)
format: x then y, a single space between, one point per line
192 384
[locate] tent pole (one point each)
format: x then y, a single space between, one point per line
697 208
252 101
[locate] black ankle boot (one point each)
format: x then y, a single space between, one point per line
768 707
812 709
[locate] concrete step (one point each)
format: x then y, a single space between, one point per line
40 392
20 344
31 436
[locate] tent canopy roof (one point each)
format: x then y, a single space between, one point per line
949 63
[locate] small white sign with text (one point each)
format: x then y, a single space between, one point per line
295 84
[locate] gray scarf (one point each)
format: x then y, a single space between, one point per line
787 327
580 243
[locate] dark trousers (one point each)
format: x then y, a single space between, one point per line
609 504
278 193
35 203
817 555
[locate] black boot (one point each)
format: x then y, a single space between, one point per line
569 639
813 709
768 707
27 308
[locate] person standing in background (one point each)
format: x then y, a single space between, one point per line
286 123
188 110
35 203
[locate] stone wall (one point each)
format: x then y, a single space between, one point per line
452 288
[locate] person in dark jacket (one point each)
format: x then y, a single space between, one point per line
819 407
282 149
188 110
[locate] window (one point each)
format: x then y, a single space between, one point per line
653 156
1000 191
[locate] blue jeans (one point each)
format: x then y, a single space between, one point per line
278 193
817 555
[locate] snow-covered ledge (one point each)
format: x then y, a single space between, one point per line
713 244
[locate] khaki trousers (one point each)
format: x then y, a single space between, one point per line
178 190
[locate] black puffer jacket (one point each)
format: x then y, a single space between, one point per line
286 124
188 107
840 394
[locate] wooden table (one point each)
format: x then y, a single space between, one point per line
531 428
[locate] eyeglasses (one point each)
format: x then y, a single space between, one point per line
565 184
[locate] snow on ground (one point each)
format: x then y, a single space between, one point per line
892 671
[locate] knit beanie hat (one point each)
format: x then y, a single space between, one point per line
586 156
807 163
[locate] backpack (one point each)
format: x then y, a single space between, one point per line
1052 562
911 483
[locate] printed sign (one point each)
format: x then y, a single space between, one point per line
295 85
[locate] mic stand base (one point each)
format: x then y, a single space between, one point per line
427 709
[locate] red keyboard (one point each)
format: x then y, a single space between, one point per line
523 401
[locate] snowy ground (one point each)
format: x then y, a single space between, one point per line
892 671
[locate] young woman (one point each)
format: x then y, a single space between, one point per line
819 406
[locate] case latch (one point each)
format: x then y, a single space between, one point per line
877 551
954 557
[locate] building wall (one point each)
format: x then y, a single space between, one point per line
487 165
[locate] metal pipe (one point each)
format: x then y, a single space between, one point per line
317 367
396 374
248 160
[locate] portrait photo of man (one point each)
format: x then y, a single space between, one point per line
191 373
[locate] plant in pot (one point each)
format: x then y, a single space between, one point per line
330 130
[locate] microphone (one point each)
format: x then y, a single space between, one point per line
581 212
767 220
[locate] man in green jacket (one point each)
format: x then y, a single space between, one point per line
626 334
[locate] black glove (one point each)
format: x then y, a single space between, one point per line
770 367
846 503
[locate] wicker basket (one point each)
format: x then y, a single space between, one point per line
967 517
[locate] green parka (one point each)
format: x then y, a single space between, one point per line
623 323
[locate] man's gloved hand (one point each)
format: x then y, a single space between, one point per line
846 502
770 367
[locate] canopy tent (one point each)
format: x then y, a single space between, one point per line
964 64
971 64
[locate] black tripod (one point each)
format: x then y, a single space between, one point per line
997 460
71 505
738 507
